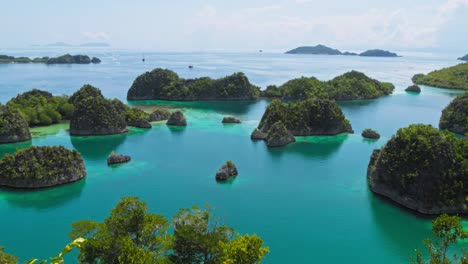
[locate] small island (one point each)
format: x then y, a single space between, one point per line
455 77
304 118
413 89
136 117
41 167
161 84
231 120
352 85
464 58
13 126
159 115
41 108
370 134
227 171
455 116
378 53
95 115
423 169
115 158
177 119
64 59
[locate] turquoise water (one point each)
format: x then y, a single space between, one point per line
309 201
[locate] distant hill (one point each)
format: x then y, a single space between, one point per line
378 53
58 44
88 44
316 50
464 58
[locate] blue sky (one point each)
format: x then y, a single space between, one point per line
241 25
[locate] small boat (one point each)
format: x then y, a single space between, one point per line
143 60
260 51
190 66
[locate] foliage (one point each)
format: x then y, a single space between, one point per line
7 258
230 164
40 108
84 92
352 85
13 126
425 167
130 234
135 114
370 133
166 85
309 117
455 77
455 116
41 167
319 49
59 258
447 231
64 59
159 114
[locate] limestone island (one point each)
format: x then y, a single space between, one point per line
13 126
177 119
455 116
378 53
303 118
227 171
136 117
423 169
161 84
159 115
413 89
370 134
352 85
41 167
455 77
231 120
464 58
278 135
315 50
115 158
64 59
94 114
41 108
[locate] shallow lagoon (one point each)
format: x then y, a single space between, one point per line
309 201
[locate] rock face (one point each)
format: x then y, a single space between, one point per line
117 159
177 119
455 116
159 115
140 124
279 136
40 167
371 134
422 169
413 88
378 53
257 134
230 119
306 118
455 77
227 171
13 127
352 85
161 84
95 115
136 117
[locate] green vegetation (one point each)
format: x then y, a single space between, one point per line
352 85
455 116
7 258
64 59
423 169
41 108
38 167
369 133
278 135
455 77
305 118
130 234
315 50
378 53
13 126
447 231
96 115
161 84
159 114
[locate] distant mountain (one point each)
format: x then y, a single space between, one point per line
95 44
316 50
58 44
378 53
464 58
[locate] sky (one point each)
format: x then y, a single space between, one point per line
240 25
